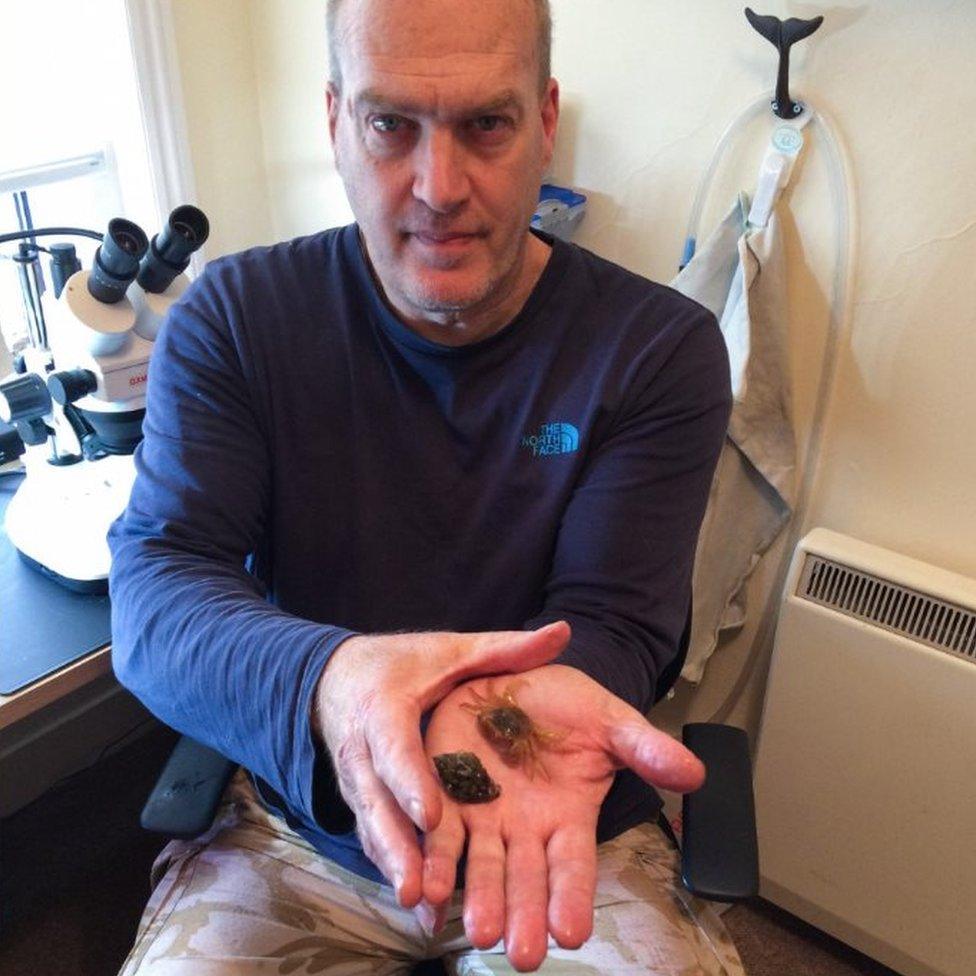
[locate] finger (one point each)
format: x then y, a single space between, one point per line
655 756
442 850
493 652
484 888
526 902
400 761
390 842
388 837
571 853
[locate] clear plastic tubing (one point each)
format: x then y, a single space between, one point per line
842 188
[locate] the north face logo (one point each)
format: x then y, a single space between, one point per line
555 438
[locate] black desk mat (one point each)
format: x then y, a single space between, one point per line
43 626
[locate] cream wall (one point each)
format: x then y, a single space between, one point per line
292 67
648 86
215 44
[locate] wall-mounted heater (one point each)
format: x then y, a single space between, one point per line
866 764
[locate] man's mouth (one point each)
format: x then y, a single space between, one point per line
443 238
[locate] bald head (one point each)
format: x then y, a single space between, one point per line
335 28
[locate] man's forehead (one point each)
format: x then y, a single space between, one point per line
436 37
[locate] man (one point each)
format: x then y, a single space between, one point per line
449 449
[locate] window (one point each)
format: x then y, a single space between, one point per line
75 142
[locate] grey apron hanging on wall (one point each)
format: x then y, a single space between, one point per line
740 275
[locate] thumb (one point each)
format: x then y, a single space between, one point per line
655 756
497 652
512 650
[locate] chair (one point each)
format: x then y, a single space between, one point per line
719 852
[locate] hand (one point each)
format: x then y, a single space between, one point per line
531 853
367 710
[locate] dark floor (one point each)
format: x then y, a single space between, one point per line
772 942
74 869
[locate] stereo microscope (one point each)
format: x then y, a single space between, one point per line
77 399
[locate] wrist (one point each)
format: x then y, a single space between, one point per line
324 690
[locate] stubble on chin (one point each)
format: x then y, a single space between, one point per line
425 296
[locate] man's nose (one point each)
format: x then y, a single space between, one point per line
440 175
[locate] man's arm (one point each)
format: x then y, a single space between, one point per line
193 635
622 568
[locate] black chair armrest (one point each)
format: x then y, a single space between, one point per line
185 797
720 855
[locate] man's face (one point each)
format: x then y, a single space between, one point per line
441 136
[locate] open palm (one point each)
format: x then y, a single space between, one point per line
531 853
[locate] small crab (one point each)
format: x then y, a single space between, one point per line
513 734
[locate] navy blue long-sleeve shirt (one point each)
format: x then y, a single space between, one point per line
374 481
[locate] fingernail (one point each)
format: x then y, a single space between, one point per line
417 813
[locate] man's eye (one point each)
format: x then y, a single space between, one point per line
386 123
488 123
490 130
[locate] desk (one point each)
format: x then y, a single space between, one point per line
55 686
44 628
64 709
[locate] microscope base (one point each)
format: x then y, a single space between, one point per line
59 517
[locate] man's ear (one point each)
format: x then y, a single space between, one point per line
550 120
332 103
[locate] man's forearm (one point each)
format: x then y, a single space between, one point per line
198 644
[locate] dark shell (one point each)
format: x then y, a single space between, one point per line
465 779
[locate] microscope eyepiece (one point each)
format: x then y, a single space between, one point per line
169 254
117 260
128 239
185 231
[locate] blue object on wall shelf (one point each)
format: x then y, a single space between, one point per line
559 211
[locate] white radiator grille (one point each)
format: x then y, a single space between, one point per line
910 613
